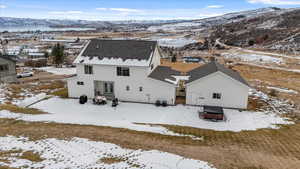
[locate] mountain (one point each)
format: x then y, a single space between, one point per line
19 22
274 30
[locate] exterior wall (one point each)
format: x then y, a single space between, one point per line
156 58
10 75
234 94
152 89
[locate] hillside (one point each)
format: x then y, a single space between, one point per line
275 30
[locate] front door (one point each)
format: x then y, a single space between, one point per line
106 89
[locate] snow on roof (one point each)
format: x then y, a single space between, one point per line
177 79
112 61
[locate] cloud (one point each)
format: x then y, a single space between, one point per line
125 10
276 2
3 6
102 9
65 12
215 6
119 9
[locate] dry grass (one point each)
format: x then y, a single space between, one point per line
258 77
31 156
112 160
16 109
52 85
63 93
180 66
255 104
265 148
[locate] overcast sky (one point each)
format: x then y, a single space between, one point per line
132 9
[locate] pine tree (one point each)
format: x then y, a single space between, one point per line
58 54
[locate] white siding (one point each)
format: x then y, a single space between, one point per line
152 89
234 94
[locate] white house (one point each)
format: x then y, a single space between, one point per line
123 69
130 70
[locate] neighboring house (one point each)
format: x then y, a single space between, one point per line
7 69
130 70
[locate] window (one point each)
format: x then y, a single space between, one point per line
217 95
80 83
123 71
140 89
88 69
106 87
127 88
3 68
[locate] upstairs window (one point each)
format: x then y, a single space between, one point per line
88 69
80 83
3 68
217 95
123 71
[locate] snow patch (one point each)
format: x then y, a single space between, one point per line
59 71
177 43
31 100
83 153
126 115
283 90
253 57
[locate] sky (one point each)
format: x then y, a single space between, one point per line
132 9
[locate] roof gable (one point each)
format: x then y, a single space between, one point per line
164 74
211 68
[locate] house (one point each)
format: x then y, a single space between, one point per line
125 69
130 70
215 85
7 69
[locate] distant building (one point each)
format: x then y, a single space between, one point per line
8 72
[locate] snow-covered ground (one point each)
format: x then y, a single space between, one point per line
270 54
31 100
59 71
178 42
283 90
174 27
253 57
83 153
126 115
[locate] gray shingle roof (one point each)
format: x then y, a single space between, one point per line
164 72
124 49
13 59
213 67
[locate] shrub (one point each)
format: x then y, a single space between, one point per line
63 93
273 92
